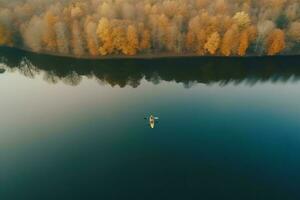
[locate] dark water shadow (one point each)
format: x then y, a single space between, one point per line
123 73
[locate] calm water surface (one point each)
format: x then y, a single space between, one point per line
75 129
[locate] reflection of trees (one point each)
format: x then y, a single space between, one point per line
50 77
187 71
72 79
27 68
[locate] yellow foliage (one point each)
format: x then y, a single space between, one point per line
145 40
213 43
104 33
106 27
132 41
119 39
242 19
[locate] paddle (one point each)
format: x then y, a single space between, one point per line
156 118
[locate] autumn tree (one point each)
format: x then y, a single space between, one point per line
201 3
246 37
91 37
32 33
172 38
291 11
276 42
49 35
106 10
244 43
76 11
242 19
201 39
145 40
230 41
252 32
119 40
104 30
191 36
132 40
62 40
263 30
190 40
294 31
105 27
77 42
5 36
212 43
221 6
163 23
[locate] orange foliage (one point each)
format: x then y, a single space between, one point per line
229 41
276 42
212 43
252 32
129 27
201 38
244 43
190 40
5 36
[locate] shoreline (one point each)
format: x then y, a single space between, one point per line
144 56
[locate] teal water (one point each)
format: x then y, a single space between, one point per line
75 129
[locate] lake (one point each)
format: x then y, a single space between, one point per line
228 128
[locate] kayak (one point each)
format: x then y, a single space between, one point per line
151 121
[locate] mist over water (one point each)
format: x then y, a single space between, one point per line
95 28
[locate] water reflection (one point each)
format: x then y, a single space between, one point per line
188 71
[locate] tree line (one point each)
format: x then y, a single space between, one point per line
141 27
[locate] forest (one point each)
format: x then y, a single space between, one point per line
97 28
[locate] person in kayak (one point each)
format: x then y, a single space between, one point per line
152 120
